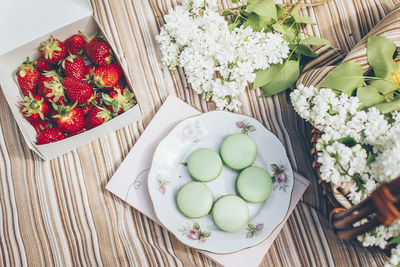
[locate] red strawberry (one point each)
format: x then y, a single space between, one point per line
53 91
34 108
46 76
78 91
49 136
89 72
69 119
97 116
97 51
93 102
107 76
43 65
74 43
41 125
27 76
119 100
78 132
87 108
74 66
53 50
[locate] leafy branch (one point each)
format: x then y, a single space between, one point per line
380 88
266 16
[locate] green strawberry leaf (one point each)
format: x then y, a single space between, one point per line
345 77
380 51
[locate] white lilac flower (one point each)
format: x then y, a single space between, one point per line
218 63
367 131
394 258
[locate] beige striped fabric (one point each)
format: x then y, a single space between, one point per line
57 213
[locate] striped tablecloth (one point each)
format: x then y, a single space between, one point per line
57 213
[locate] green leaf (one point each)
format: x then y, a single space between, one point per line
300 19
283 80
250 234
196 226
384 86
265 76
348 141
253 20
264 8
311 40
280 11
233 25
235 1
290 33
387 107
345 77
305 50
369 95
380 52
278 28
394 240
205 234
226 13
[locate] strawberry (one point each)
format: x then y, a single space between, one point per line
54 91
46 76
41 125
89 72
78 132
88 107
74 66
74 43
34 108
107 76
98 51
43 65
78 91
27 76
97 116
119 100
53 50
49 136
69 119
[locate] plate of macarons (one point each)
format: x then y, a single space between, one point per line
220 182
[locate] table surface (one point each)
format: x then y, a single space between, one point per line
58 213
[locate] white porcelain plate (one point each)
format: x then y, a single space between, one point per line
168 173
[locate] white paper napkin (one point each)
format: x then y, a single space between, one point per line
130 180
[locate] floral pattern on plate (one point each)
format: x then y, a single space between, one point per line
208 130
280 178
254 230
191 132
245 126
195 233
161 184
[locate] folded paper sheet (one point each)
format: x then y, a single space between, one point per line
130 180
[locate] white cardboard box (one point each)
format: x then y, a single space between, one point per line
27 25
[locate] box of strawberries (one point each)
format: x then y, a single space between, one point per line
67 87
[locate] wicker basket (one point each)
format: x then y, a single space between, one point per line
384 201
